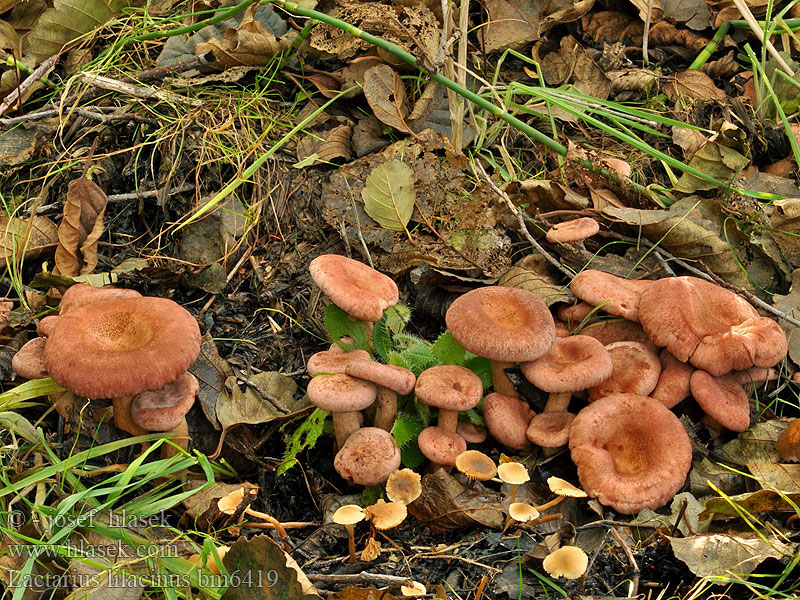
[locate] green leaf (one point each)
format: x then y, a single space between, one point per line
371 494
395 358
482 367
474 417
418 358
381 340
411 456
406 428
447 350
338 324
304 437
397 317
389 195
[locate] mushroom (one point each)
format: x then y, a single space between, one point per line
472 434
550 429
635 370
722 398
348 515
81 294
404 485
569 562
788 444
514 474
368 457
342 396
507 419
450 388
476 465
574 231
391 380
505 325
709 326
562 489
631 452
573 363
386 515
359 290
441 446
46 324
415 589
673 382
609 331
522 512
615 295
118 348
28 360
165 410
574 314
332 362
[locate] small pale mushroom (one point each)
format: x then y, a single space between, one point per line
386 515
416 589
562 489
404 485
522 511
514 474
476 465
348 515
569 562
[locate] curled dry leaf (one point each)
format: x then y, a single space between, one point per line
26 238
532 273
325 147
386 96
694 84
80 229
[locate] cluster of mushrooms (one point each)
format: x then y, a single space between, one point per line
678 337
115 343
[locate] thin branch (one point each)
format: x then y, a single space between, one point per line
16 94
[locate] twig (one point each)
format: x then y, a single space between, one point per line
265 394
38 73
521 220
137 91
363 577
741 5
634 588
680 515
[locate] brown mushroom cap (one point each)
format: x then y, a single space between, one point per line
569 562
709 326
476 465
385 515
397 379
635 371
164 409
502 324
46 324
449 387
722 398
631 452
441 446
618 330
356 288
81 294
472 434
575 313
673 382
368 457
507 419
573 363
788 444
28 360
331 362
572 231
618 296
550 429
404 485
118 348
340 393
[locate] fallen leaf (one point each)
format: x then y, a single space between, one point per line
790 305
756 445
368 593
211 371
26 238
19 144
80 229
325 147
259 401
205 500
386 96
720 555
693 13
389 195
752 502
532 273
688 521
780 477
694 84
515 23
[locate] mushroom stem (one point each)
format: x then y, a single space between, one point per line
513 493
344 424
448 419
500 381
351 543
180 437
558 402
551 504
122 416
272 521
386 408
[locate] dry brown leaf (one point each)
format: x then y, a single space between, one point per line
515 23
260 399
424 106
532 273
328 146
694 84
693 13
26 238
721 555
80 229
386 96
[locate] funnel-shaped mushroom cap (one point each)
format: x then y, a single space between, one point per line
550 429
385 515
81 294
575 230
164 409
358 289
449 387
502 324
368 457
476 465
722 398
513 472
404 485
631 452
507 419
673 382
441 446
635 371
349 514
340 393
522 511
618 296
569 562
709 326
27 362
573 363
121 347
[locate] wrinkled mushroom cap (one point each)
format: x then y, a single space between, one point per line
502 324
550 429
631 452
117 348
368 457
635 371
722 398
164 409
441 446
28 360
618 296
358 289
522 511
709 326
82 294
340 393
385 515
788 444
575 230
573 363
349 514
513 472
397 379
569 562
404 485
507 419
449 387
476 465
